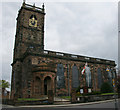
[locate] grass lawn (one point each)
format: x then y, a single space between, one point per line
27 99
66 97
97 94
109 93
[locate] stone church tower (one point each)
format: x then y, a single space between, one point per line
36 70
29 36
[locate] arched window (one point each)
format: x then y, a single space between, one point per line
60 76
88 77
75 77
99 77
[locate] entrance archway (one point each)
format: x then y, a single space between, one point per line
47 85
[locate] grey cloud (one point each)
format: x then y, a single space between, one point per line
92 28
80 28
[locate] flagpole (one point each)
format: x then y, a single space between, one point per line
88 79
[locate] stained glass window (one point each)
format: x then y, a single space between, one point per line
75 77
99 77
60 76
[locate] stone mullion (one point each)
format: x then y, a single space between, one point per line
52 85
97 78
80 76
94 80
66 76
91 69
70 78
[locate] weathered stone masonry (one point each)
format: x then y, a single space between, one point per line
35 70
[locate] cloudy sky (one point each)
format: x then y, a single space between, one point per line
83 28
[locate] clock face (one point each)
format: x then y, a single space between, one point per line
33 22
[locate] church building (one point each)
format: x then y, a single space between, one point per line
36 70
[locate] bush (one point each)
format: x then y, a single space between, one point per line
78 89
78 94
96 93
106 88
92 93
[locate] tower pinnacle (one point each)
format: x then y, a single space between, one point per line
43 7
34 4
24 1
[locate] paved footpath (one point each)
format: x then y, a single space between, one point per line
62 105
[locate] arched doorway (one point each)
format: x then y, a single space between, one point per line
47 85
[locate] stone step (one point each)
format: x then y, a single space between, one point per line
61 102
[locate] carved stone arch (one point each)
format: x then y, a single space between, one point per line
77 65
73 65
48 75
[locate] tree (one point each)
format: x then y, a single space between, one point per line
4 84
106 88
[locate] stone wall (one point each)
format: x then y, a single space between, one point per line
43 66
